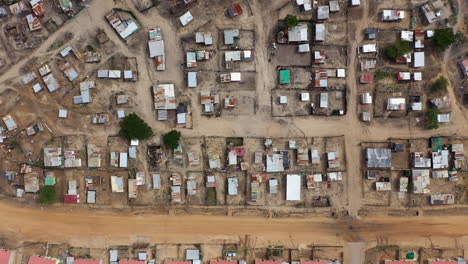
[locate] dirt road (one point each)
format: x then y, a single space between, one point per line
86 228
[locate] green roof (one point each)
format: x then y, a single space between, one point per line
66 4
285 76
49 181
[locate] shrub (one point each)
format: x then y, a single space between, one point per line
47 195
443 38
397 49
379 75
171 139
290 20
211 196
431 118
440 85
133 127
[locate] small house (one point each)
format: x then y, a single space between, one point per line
443 118
334 6
285 76
355 2
293 187
369 48
230 36
232 185
366 78
396 104
298 33
323 100
378 158
186 18
319 33
418 59
392 15
366 98
323 12
204 38
306 5
404 76
370 33
443 199
192 79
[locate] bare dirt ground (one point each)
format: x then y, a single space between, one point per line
81 227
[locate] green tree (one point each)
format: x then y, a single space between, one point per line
290 20
47 195
440 85
397 49
171 139
443 38
133 127
431 118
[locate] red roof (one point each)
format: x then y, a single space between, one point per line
223 262
86 261
70 199
315 262
401 60
236 9
240 152
40 260
366 78
132 262
5 257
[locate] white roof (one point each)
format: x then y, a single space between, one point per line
418 59
304 48
367 48
417 106
123 160
181 118
293 187
305 97
417 76
355 2
128 75
156 48
37 87
235 76
114 74
121 113
298 33
91 196
283 99
63 113
324 100
366 98
407 35
186 18
443 118
232 56
130 29
340 73
232 186
117 184
192 79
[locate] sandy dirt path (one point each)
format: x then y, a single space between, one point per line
91 228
